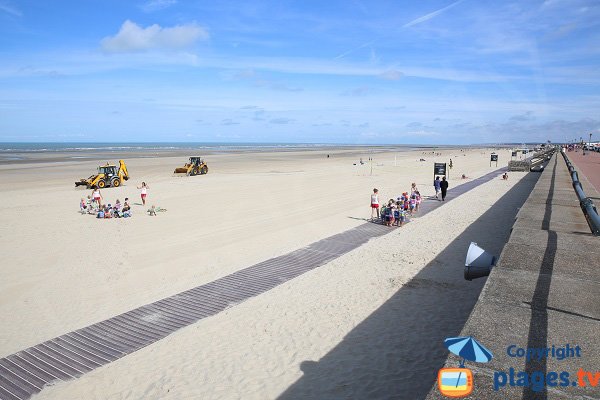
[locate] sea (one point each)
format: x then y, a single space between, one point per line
29 147
11 152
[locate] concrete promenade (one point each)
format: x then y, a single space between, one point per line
544 292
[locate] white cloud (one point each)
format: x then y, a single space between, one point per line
431 15
6 7
155 5
133 38
281 121
391 75
415 21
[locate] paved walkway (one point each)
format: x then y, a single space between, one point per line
589 167
73 354
542 294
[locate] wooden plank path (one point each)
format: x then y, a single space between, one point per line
73 354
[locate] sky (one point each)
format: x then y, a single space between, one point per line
351 71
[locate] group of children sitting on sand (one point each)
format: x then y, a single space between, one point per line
397 211
93 206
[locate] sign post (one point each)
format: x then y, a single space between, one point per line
439 169
494 157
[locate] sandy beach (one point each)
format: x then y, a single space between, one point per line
63 270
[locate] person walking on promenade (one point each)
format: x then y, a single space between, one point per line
444 188
375 203
144 192
436 185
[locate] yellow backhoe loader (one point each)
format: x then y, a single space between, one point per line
196 166
108 176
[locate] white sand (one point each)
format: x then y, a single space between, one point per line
63 271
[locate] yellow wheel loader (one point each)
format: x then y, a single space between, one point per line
108 176
196 166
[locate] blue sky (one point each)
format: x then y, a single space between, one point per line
353 71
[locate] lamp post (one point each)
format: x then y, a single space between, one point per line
590 144
582 147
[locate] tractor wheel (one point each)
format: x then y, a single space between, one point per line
116 182
194 171
101 184
204 170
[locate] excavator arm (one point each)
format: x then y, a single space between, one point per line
123 173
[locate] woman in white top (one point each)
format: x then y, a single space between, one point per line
97 197
375 203
144 193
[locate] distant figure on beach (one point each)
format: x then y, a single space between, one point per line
152 211
389 213
450 164
444 187
505 176
375 203
97 197
412 203
464 176
414 193
144 193
437 186
401 213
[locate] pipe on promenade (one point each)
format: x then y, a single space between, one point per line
586 203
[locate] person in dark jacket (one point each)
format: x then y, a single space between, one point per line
444 187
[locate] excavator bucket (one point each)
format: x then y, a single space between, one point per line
181 170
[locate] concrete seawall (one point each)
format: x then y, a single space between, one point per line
544 292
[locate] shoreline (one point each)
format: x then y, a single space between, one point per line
12 155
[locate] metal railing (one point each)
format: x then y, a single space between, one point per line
586 203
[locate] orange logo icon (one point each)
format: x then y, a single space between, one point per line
455 382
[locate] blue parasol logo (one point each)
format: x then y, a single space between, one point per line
458 382
469 349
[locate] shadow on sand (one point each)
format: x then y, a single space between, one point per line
396 352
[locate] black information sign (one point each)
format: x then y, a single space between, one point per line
494 158
439 169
